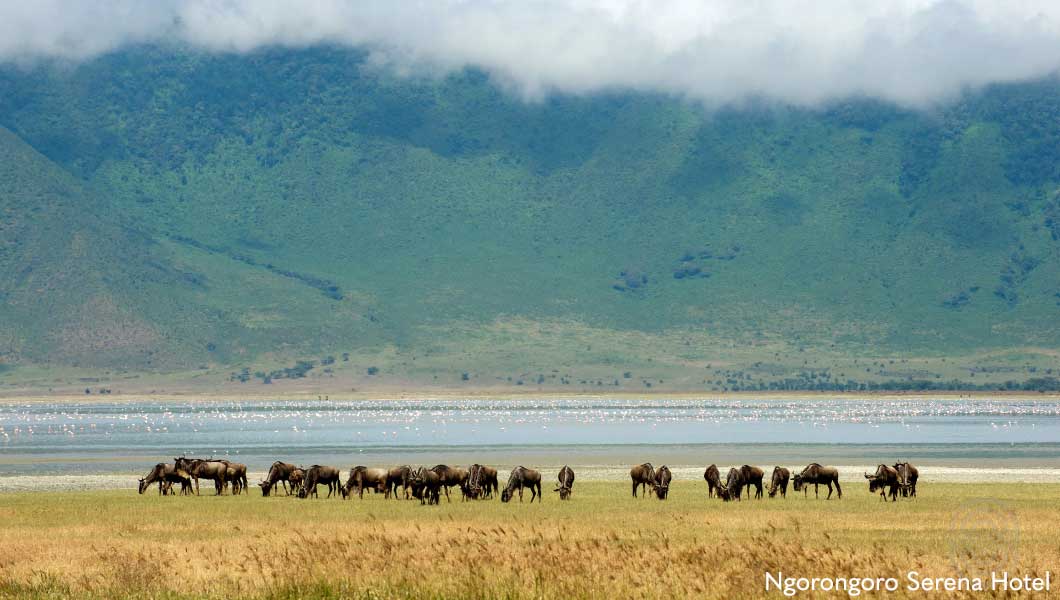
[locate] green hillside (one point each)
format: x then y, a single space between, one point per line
180 211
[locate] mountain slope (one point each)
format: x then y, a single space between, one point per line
422 214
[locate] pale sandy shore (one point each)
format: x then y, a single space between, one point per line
849 475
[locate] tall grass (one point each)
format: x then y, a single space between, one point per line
601 544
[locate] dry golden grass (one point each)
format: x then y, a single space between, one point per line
602 544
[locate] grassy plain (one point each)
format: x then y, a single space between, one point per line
602 544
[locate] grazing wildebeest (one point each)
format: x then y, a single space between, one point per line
734 485
907 476
752 476
566 482
165 476
522 477
450 476
885 477
816 474
320 475
198 468
642 475
779 482
713 479
398 476
472 485
426 486
661 485
363 477
279 472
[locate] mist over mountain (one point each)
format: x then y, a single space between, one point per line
166 209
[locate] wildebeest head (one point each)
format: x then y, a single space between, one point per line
797 482
266 487
723 493
143 485
506 495
564 492
875 483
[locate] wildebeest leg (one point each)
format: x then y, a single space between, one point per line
839 490
634 489
817 494
447 498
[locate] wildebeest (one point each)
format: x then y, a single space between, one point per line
363 477
779 482
279 472
198 468
472 485
522 477
296 479
816 474
661 485
885 477
713 479
398 476
426 486
165 475
449 477
734 485
642 475
907 476
320 475
566 482
752 476
490 484
237 475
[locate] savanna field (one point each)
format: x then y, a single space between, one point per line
601 544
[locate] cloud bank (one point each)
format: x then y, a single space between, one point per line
913 52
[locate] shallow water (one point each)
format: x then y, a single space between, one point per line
599 433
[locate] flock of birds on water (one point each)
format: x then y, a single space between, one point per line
479 482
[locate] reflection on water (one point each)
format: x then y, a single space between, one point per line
124 436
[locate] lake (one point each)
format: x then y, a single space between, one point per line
600 433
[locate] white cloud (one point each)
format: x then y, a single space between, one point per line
909 51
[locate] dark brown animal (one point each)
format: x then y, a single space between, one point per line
907 476
363 477
296 479
816 474
472 485
490 484
450 477
198 468
752 476
398 476
520 478
642 475
661 485
885 477
734 485
713 479
566 482
320 475
237 475
165 476
279 472
426 486
779 482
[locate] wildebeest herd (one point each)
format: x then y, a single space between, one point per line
480 481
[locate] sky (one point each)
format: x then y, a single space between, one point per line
912 52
